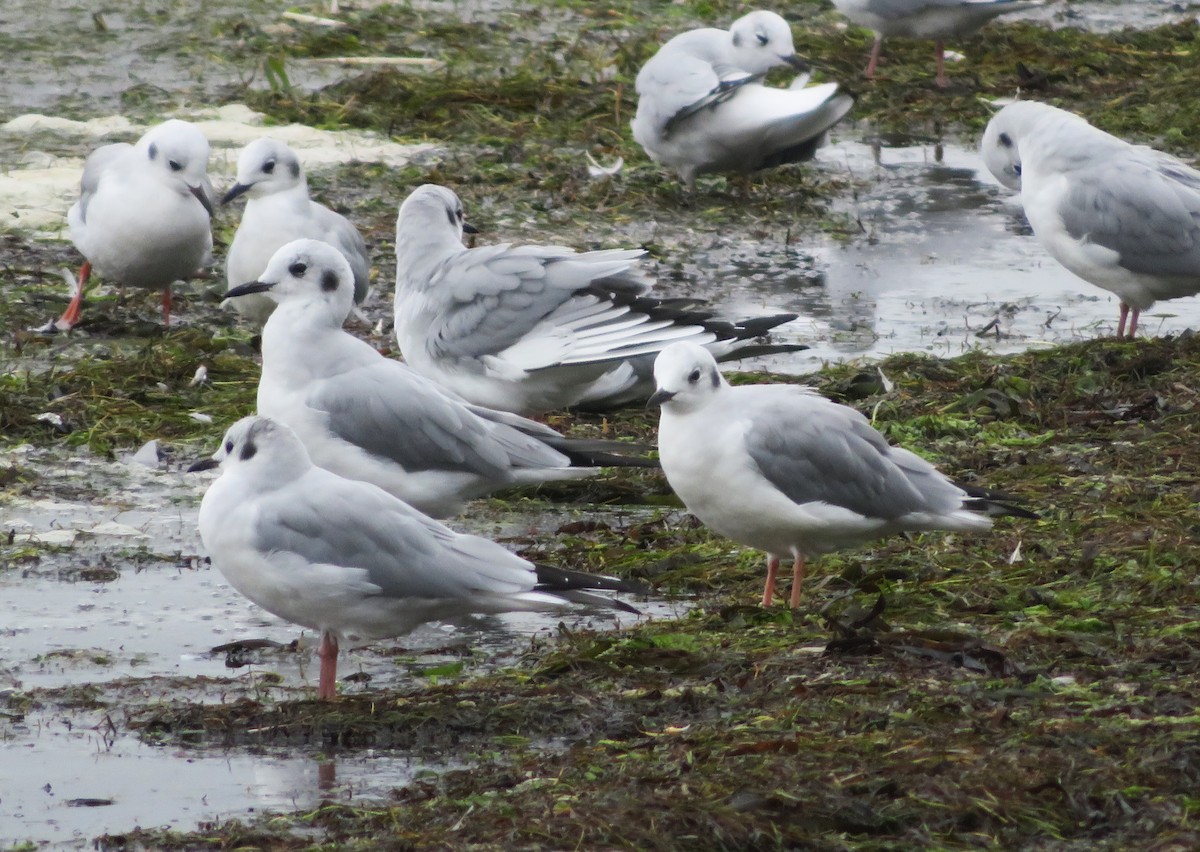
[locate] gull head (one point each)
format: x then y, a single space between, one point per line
1001 150
761 41
309 271
178 155
265 166
431 213
261 447
686 377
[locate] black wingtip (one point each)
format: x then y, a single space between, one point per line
551 578
602 453
995 502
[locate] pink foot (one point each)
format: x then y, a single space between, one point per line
769 588
71 315
797 580
328 652
876 49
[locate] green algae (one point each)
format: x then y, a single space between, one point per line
1035 687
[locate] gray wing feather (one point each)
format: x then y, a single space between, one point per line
1145 207
498 294
673 83
94 166
351 524
392 413
341 233
814 450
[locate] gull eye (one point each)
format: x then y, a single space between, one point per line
229 446
298 269
175 165
694 376
1017 169
269 166
762 39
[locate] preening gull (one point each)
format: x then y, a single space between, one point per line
533 328
702 107
278 210
143 218
1123 217
349 560
784 470
368 417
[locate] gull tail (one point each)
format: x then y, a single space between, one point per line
808 130
585 452
994 503
579 587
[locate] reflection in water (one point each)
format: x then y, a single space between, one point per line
945 263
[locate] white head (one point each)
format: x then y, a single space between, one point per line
1000 147
308 271
265 166
431 213
1028 129
259 447
686 377
178 155
761 41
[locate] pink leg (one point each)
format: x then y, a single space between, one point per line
71 315
772 572
328 653
797 580
876 49
166 305
1121 321
940 47
1133 319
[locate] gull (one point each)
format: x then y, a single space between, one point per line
278 210
702 107
784 470
351 561
936 19
368 417
143 218
1123 217
529 329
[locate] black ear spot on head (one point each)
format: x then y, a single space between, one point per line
1006 140
294 168
453 219
329 281
153 150
737 39
248 451
715 376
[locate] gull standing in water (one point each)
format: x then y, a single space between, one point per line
278 210
784 470
702 107
530 328
349 560
1123 217
144 213
368 417
936 19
